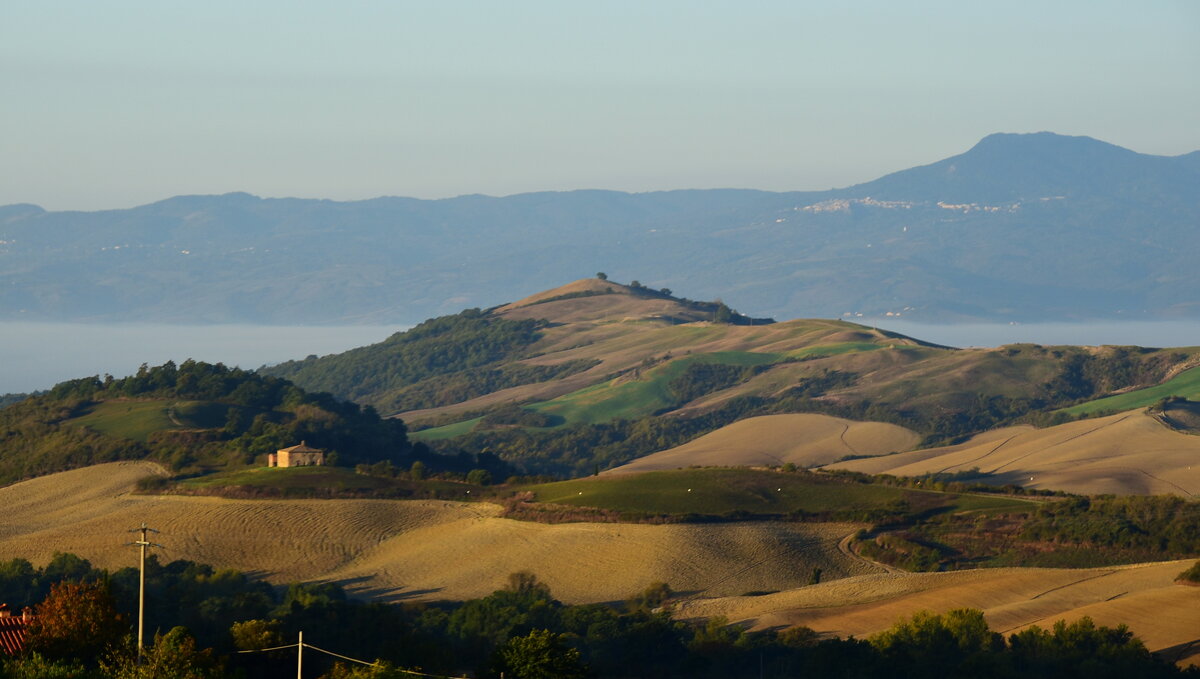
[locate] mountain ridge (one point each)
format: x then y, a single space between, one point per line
1026 227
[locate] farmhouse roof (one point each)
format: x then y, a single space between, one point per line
12 631
302 448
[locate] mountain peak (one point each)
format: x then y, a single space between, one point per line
20 210
1041 144
1006 168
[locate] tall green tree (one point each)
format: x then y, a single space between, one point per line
541 654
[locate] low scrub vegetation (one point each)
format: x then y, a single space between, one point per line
1191 576
1074 532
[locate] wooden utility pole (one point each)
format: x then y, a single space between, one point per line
143 543
299 654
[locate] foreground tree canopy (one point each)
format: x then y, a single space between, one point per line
522 631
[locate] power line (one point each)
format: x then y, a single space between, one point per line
264 650
339 655
301 645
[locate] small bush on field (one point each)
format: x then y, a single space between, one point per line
1191 575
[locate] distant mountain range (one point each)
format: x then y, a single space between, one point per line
1020 227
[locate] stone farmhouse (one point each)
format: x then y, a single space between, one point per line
296 456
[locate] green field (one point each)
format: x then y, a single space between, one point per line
622 399
138 419
834 349
618 398
334 480
448 431
1186 384
726 491
291 477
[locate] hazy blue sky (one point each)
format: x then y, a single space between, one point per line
112 104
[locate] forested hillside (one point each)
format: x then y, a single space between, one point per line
451 359
188 416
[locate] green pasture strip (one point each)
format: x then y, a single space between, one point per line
289 477
820 350
624 398
630 399
722 491
130 419
446 431
206 414
320 478
1186 384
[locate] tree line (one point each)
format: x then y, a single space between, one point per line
468 340
84 618
252 415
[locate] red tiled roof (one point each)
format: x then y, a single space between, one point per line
12 634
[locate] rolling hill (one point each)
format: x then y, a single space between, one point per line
1145 597
803 440
754 573
595 374
1019 227
421 549
1131 452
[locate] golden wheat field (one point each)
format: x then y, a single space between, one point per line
408 549
1128 453
806 440
1163 614
429 549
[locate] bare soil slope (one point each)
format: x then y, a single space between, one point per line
1144 597
408 549
1128 453
806 440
